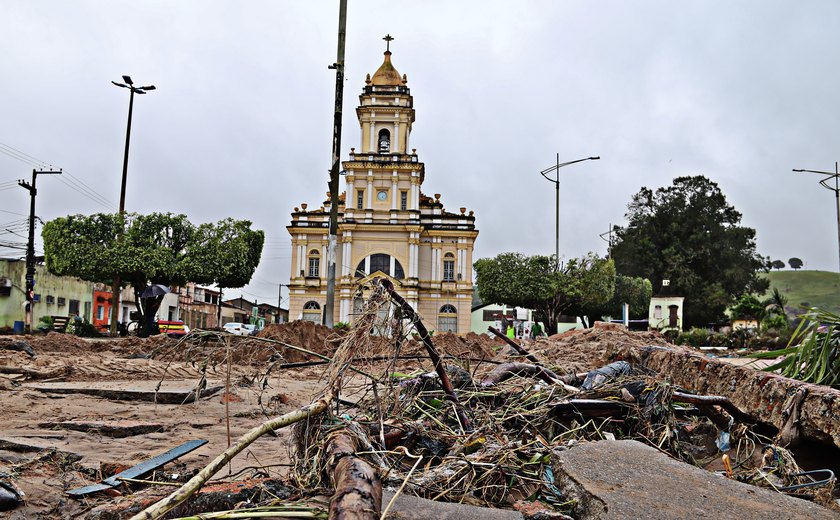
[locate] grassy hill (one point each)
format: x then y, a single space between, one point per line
812 288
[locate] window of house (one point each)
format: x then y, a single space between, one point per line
380 262
73 310
360 199
100 312
657 312
314 263
448 267
448 319
403 200
312 311
384 141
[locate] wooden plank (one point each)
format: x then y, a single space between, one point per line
140 470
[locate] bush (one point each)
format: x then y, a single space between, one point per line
720 340
82 328
695 337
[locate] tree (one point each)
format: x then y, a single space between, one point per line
747 308
227 254
689 234
158 248
634 291
777 264
532 282
795 263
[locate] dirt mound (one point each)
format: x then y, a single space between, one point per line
583 350
304 334
51 342
471 345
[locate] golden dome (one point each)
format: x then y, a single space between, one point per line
386 74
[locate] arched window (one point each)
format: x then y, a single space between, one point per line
448 319
312 311
448 267
314 264
380 262
384 141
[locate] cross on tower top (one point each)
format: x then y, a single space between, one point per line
388 39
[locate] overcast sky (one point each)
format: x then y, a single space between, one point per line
240 124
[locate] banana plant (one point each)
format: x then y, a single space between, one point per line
813 353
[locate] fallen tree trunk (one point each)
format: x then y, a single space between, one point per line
718 400
507 370
358 490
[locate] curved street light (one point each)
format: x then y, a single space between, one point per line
556 181
115 288
825 183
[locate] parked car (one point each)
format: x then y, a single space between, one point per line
239 329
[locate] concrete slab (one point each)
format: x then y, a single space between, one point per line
627 479
115 429
170 392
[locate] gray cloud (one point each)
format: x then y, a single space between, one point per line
241 122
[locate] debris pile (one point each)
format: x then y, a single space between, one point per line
404 416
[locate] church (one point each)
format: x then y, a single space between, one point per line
387 226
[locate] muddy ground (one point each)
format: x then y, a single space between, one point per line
53 442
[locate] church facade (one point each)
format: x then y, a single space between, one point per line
387 225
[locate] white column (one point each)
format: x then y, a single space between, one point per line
417 260
395 142
322 267
410 273
369 192
392 265
394 193
373 143
301 259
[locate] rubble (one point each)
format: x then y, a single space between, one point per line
626 479
379 410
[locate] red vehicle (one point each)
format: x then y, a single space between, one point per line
173 328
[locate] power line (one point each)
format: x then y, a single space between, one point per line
74 183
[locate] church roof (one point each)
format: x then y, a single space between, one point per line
386 74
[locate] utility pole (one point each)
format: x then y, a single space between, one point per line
608 237
833 186
30 247
279 301
329 306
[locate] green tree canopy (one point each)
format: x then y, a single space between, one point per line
795 263
747 308
688 233
777 264
532 282
159 248
634 291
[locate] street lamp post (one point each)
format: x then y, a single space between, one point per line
825 183
556 181
115 289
